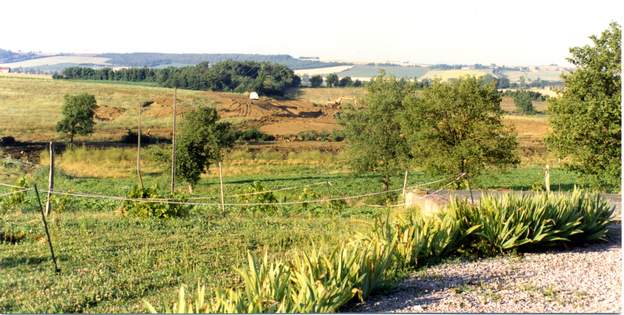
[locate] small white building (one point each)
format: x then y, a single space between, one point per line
5 70
254 96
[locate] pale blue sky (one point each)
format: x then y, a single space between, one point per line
502 32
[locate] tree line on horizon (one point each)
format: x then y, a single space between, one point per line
266 78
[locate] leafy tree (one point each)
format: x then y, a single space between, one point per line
331 80
78 112
586 116
357 83
200 143
316 81
456 127
345 81
373 133
523 101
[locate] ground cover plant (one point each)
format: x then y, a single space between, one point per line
323 282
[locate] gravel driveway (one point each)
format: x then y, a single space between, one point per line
585 279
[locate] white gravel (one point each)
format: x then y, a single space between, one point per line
583 279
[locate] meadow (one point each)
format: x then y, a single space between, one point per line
111 261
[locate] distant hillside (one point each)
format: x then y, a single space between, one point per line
33 62
7 56
159 59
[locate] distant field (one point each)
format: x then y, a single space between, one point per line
408 72
54 60
451 74
322 71
534 74
325 95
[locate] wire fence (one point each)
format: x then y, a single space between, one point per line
182 201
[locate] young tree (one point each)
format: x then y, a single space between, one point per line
586 116
373 133
456 127
316 81
331 80
523 101
200 144
78 112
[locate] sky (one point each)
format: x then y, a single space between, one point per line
524 32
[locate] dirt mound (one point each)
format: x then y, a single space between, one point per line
107 113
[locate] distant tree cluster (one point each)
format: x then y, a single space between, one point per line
236 76
333 80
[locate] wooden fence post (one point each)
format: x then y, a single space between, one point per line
404 185
547 178
45 226
173 142
138 161
221 182
48 208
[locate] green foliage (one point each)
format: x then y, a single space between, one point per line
586 117
514 222
200 143
256 194
253 135
78 112
522 100
238 76
319 281
331 80
16 200
151 209
456 127
375 142
316 81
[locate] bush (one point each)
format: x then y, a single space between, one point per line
7 141
256 194
161 210
16 200
131 137
253 135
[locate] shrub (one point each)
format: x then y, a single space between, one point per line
514 222
253 135
161 210
261 200
7 141
16 200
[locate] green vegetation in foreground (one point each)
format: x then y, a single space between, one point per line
319 282
109 262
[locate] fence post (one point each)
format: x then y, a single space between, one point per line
221 183
547 178
173 142
48 208
404 185
45 226
138 161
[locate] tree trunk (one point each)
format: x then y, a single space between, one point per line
190 189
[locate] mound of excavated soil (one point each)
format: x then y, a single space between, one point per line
107 113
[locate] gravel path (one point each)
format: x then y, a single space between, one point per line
586 279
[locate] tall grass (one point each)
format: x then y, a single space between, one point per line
324 281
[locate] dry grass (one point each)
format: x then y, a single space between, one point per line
507 104
31 107
453 74
325 95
